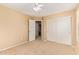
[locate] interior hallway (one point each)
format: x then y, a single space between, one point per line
39 47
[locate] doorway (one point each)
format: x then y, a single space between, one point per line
37 30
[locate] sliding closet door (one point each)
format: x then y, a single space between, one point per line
31 30
59 30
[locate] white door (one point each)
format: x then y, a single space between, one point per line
31 30
59 30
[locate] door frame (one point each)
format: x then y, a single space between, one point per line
41 28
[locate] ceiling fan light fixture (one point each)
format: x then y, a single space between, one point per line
37 7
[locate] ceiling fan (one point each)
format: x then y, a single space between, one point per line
37 6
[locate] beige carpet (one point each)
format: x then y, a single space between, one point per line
39 47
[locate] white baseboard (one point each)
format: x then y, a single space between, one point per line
13 46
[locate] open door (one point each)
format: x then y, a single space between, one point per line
31 30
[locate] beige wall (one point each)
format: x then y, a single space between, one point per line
77 24
73 22
13 27
77 30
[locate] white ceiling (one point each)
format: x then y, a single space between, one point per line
47 9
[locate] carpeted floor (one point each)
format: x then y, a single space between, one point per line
39 47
